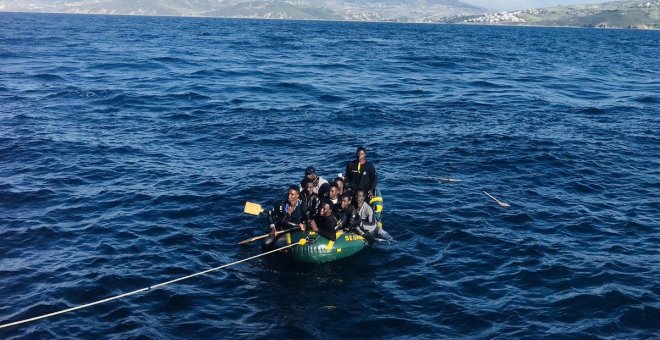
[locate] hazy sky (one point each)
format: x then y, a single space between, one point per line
522 4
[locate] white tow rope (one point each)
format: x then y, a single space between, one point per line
143 289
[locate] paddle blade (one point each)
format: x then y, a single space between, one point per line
252 208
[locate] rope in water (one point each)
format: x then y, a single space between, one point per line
146 288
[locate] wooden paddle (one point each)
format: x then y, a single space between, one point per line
264 236
502 204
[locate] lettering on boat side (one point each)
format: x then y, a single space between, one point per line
353 237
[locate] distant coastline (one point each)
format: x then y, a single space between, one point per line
453 20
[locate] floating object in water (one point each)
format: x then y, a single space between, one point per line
502 204
438 179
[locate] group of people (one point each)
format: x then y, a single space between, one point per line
326 207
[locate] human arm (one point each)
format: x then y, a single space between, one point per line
274 217
348 179
373 180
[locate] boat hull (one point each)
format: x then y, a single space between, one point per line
318 249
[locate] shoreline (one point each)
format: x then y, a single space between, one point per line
326 20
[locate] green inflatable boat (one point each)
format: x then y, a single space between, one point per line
314 248
317 249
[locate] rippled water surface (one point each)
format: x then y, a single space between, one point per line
129 145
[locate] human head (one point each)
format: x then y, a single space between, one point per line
346 200
360 153
333 191
359 197
293 194
340 182
325 209
308 185
310 173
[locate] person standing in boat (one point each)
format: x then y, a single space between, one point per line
369 226
287 214
310 173
324 223
360 174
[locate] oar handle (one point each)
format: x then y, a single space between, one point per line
264 236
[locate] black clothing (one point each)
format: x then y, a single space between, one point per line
326 226
312 202
323 190
364 179
283 220
348 218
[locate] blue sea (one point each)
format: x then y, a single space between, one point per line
129 146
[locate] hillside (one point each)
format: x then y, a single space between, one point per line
642 14
618 14
362 10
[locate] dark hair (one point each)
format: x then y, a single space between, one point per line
364 192
360 148
346 194
333 184
294 187
305 181
328 202
339 179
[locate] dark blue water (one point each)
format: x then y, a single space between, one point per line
129 145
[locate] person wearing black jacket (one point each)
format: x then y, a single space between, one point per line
360 174
287 214
346 215
324 223
310 198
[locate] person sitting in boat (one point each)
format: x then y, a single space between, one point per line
324 223
347 218
360 174
364 212
333 194
287 214
310 198
340 185
310 173
369 226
